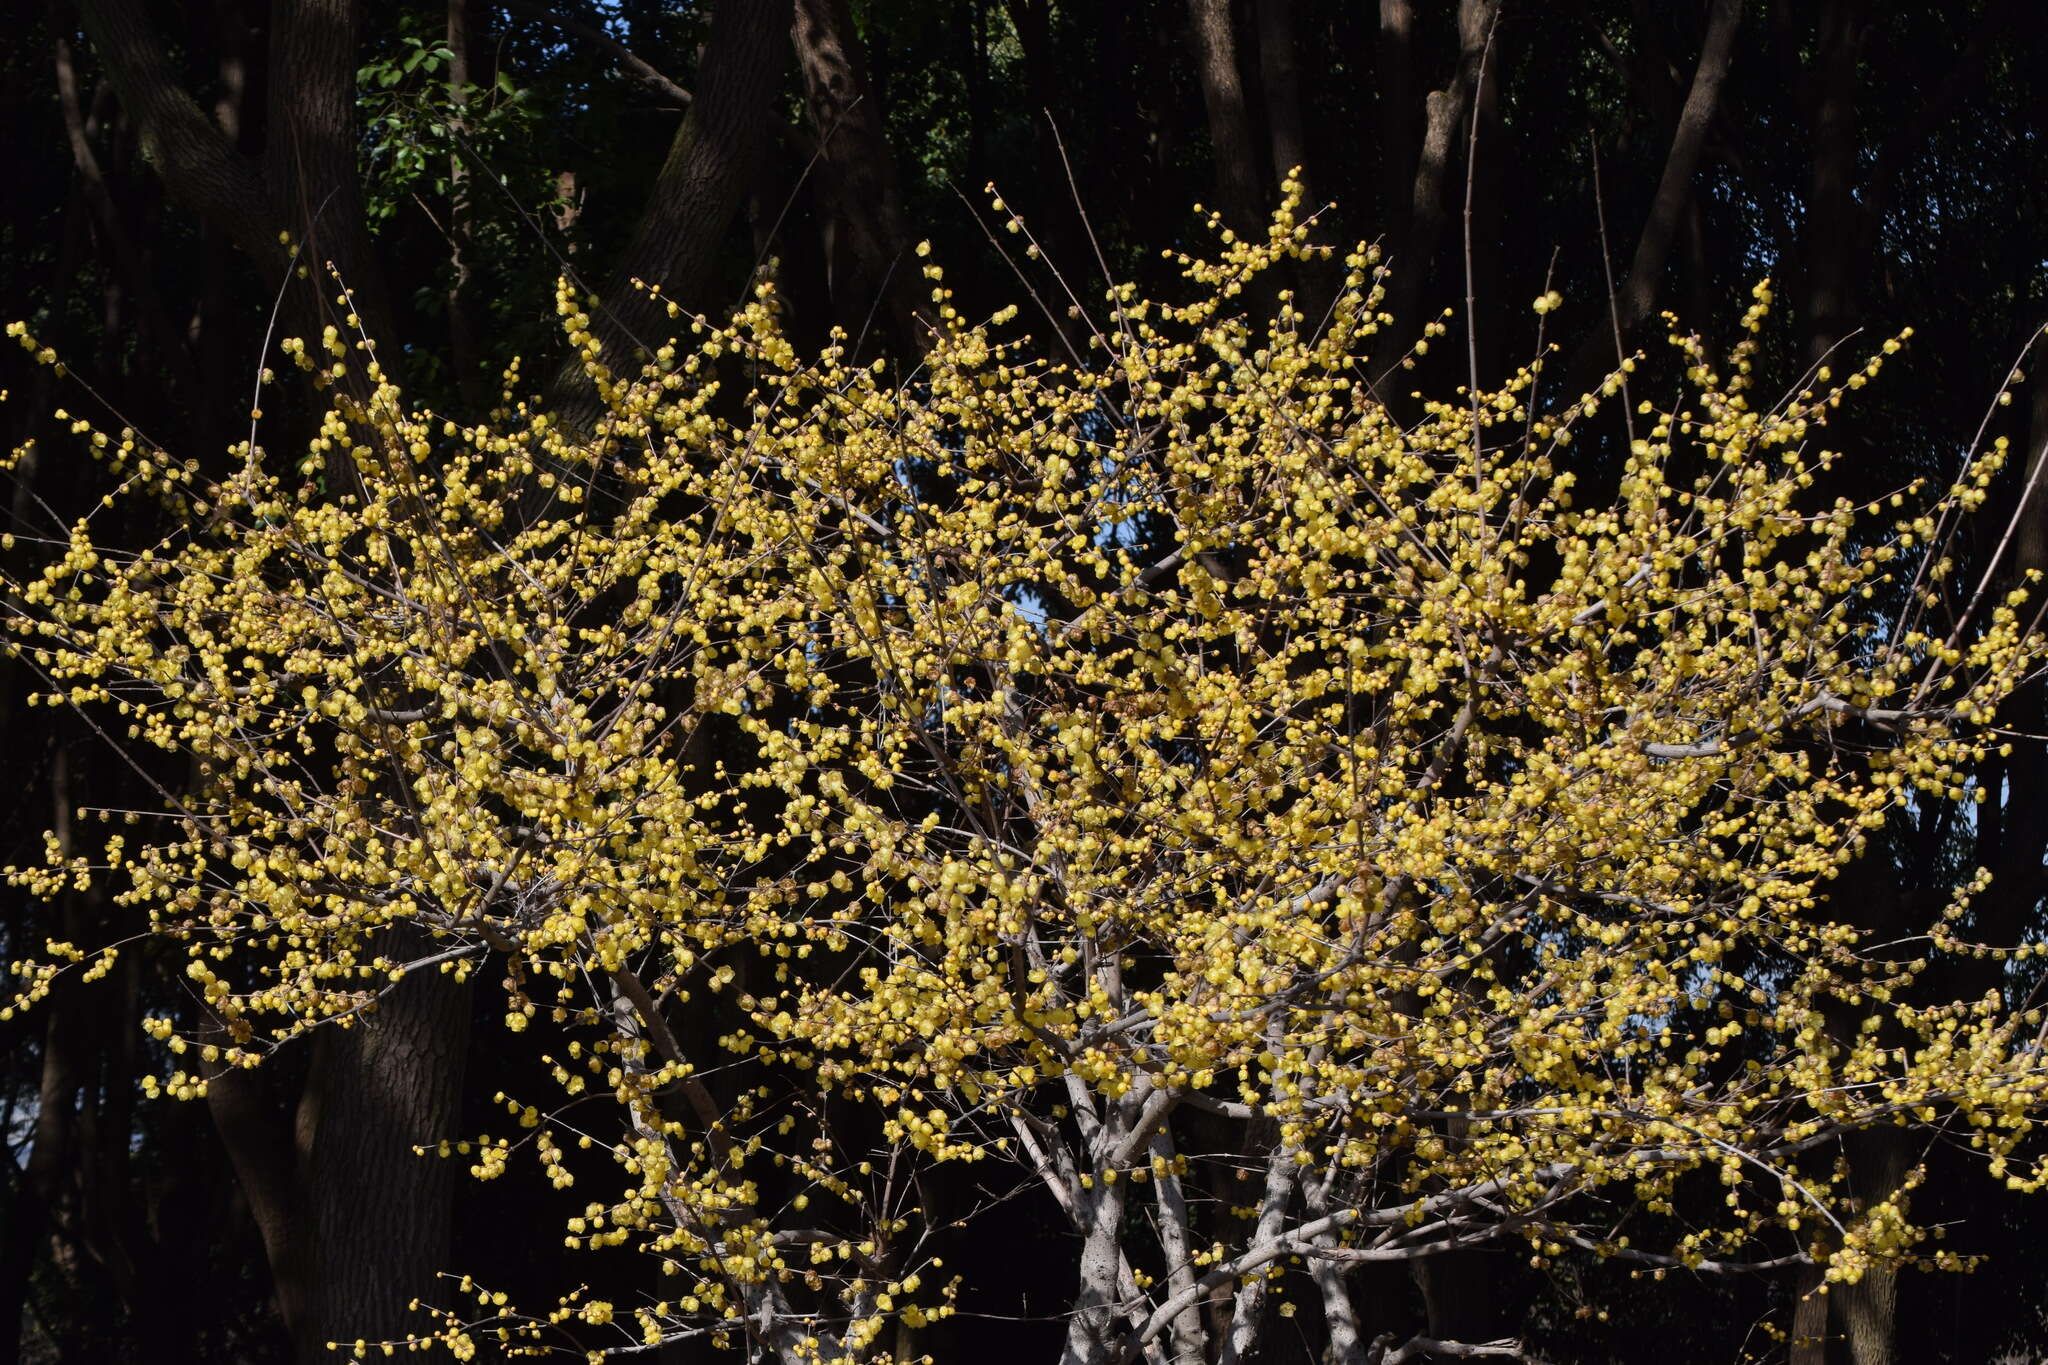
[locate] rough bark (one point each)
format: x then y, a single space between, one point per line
705 177
1092 1326
1280 91
1809 1318
381 1212
1868 895
1866 1312
212 328
195 159
869 267
304 183
1347 1339
309 157
344 1266
1239 191
1833 217
1675 194
1174 1244
1248 1310
260 1151
108 224
1280 85
1434 160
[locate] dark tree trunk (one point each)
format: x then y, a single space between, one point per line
711 164
1866 1313
1280 89
1669 206
381 1210
1435 158
260 1151
197 163
1681 165
716 160
1280 85
1809 1318
118 245
309 162
869 266
1239 184
1832 213
344 1265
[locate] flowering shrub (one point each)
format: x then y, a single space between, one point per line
1015 760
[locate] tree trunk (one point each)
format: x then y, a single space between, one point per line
220 361
344 1265
1340 1314
1832 213
355 1223
869 266
1809 1318
1866 1312
1668 206
381 1212
305 183
1280 87
1280 84
1675 186
309 163
259 1149
1239 188
119 248
195 160
1443 130
1248 1308
1185 1331
705 178
1092 1326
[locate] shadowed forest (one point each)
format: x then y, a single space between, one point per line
491 196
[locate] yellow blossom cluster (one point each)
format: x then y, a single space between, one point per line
851 774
